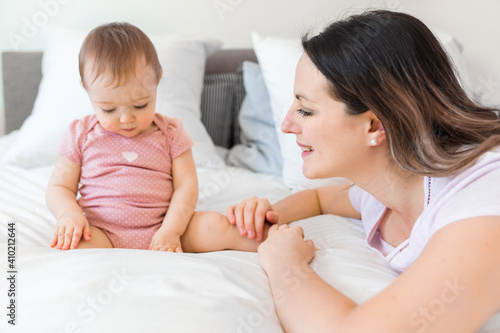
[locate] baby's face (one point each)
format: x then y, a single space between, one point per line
128 109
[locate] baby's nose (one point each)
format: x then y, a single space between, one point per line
126 117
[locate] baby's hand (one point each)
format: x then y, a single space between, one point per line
249 216
69 229
166 240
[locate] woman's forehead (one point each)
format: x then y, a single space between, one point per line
310 83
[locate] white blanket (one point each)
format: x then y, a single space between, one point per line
121 290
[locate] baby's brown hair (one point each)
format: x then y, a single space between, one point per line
116 47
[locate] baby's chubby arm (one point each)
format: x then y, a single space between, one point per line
61 201
182 205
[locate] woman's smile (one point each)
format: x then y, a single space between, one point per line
306 150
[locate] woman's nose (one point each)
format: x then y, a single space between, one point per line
289 125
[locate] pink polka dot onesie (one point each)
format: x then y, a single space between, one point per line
126 183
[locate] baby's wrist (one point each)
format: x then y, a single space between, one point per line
71 212
171 230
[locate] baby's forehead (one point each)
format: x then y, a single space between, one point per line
110 74
105 91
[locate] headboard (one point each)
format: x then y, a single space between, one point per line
222 95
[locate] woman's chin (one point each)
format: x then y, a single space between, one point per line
309 174
316 174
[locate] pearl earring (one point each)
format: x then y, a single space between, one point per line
373 142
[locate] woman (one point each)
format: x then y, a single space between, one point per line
377 102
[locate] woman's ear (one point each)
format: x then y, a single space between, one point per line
376 132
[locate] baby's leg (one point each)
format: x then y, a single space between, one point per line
98 239
211 231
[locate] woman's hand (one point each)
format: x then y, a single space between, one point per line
285 247
250 215
69 230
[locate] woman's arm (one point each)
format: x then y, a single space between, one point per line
61 201
452 286
182 204
249 215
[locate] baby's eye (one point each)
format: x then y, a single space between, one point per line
304 113
140 106
108 111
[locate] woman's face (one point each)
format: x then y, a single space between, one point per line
331 140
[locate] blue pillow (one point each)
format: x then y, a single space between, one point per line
259 149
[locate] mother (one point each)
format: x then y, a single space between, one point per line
377 101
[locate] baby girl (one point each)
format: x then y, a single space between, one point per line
138 179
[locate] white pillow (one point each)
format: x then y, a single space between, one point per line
62 99
278 58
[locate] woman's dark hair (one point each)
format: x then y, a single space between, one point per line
392 64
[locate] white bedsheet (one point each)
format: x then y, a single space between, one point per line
121 290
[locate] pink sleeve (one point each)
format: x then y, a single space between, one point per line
178 138
72 142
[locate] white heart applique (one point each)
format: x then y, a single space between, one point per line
130 156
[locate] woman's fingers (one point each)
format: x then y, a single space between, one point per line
249 214
240 220
260 218
261 210
272 217
285 246
272 230
230 214
311 243
300 230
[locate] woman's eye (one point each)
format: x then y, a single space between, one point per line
304 113
141 106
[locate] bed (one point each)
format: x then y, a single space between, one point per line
125 290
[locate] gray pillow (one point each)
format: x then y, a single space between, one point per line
220 103
259 149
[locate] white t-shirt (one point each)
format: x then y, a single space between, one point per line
470 193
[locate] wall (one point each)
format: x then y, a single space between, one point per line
474 23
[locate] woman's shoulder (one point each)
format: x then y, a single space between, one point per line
481 175
486 164
472 192
490 156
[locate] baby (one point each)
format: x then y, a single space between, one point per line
138 180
